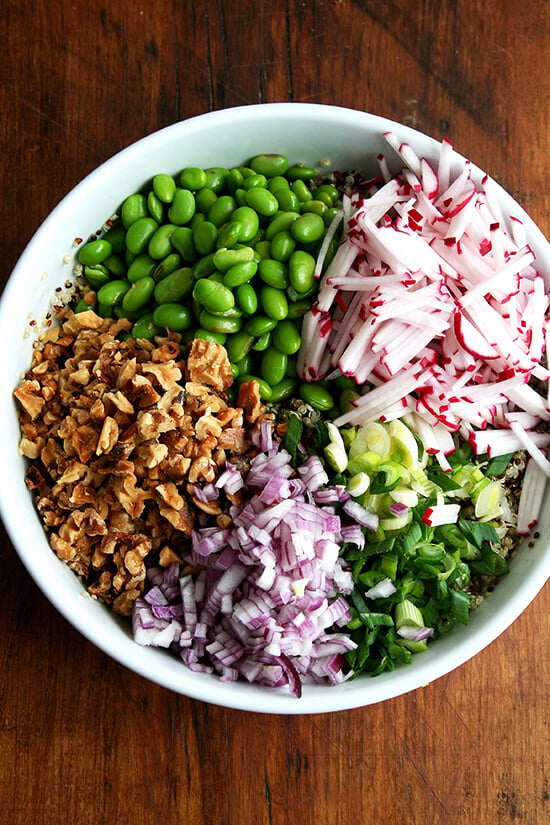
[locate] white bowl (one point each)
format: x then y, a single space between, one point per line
304 132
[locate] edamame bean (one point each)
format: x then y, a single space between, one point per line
244 366
97 276
139 234
219 323
213 296
159 245
301 271
221 210
274 273
273 365
238 345
209 335
182 241
133 208
204 237
263 342
283 390
95 252
182 208
301 191
216 177
142 266
164 187
192 177
240 274
317 207
317 397
234 180
262 201
115 265
168 264
145 327
175 287
205 199
103 310
116 235
282 246
249 221
286 337
113 292
228 235
204 267
224 258
269 165
308 228
274 302
328 190
259 325
82 306
174 316
299 308
262 249
263 386
301 172
278 183
287 199
280 223
155 207
138 295
254 181
246 299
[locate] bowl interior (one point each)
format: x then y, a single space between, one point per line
343 138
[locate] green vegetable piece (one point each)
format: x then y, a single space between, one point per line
95 252
282 246
182 241
238 345
193 178
155 207
182 208
112 293
160 244
269 165
249 221
96 276
263 386
205 199
283 390
176 286
145 327
246 299
142 266
288 200
240 274
286 337
262 201
260 325
132 209
274 273
164 187
139 294
317 397
224 259
273 365
219 323
209 335
301 271
168 264
274 302
213 296
173 316
204 237
301 172
221 210
139 234
308 228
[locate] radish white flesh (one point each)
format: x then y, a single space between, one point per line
452 318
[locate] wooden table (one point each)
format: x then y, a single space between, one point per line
83 740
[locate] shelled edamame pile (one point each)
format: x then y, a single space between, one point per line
355 539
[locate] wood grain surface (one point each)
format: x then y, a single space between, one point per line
82 739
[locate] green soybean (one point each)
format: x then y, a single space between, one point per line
115 265
262 201
246 299
234 180
164 187
259 325
133 208
160 244
239 274
192 177
282 246
245 365
213 296
318 207
155 207
113 292
299 308
204 267
273 365
274 273
96 276
254 181
216 177
269 165
168 264
182 241
249 221
145 327
286 337
204 237
238 345
308 228
283 390
263 342
263 387
301 191
224 258
182 207
142 266
174 316
95 252
328 190
175 287
274 302
301 172
209 335
301 271
116 235
139 234
228 235
262 249
280 223
278 183
137 297
317 397
221 210
205 199
219 323
287 199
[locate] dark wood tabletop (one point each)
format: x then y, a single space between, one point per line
84 740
